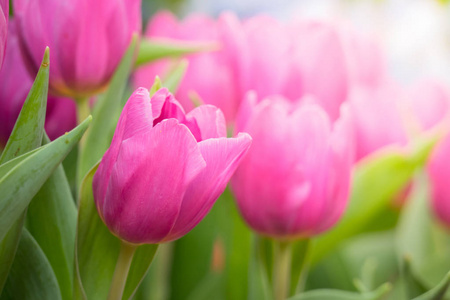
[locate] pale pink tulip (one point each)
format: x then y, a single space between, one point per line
208 77
295 180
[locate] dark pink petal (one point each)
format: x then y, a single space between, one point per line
148 182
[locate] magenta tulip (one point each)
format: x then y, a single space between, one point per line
87 39
4 15
295 180
15 83
208 76
164 168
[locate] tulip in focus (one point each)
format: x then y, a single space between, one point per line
15 84
295 180
87 40
164 168
4 15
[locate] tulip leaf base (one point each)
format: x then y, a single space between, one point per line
97 251
52 213
31 276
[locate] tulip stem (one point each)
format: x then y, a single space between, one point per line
281 269
121 272
83 109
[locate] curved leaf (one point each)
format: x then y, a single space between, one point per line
31 276
52 213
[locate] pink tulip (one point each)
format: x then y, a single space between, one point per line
328 60
208 75
15 83
87 39
164 169
377 118
391 114
439 172
295 180
4 15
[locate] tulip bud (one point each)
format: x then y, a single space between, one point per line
4 15
15 83
295 180
164 168
87 40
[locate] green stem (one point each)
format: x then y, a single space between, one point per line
281 269
121 272
83 109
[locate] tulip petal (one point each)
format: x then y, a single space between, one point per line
165 106
144 199
136 118
207 121
222 156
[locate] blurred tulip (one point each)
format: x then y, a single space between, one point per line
4 15
439 172
208 75
269 57
295 180
87 39
15 83
391 114
377 118
164 169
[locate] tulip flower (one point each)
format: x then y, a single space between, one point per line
439 173
4 15
87 40
209 77
15 83
164 168
262 54
294 182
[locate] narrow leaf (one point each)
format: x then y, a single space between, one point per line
173 78
22 182
25 136
152 49
343 295
52 213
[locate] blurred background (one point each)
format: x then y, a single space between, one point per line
414 34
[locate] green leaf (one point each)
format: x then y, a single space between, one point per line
25 136
376 182
97 250
29 128
207 289
438 292
300 249
31 276
153 49
421 239
156 86
23 181
98 138
52 213
173 78
343 295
